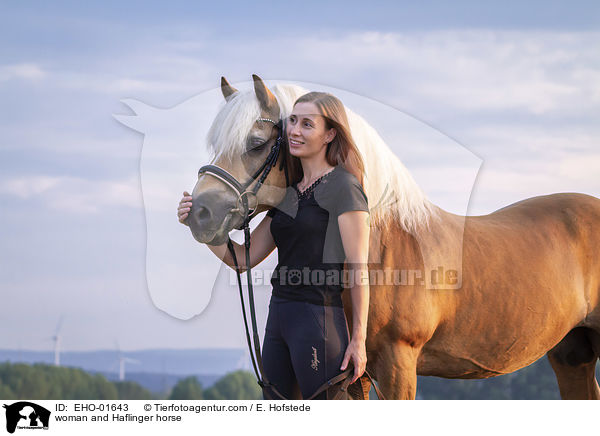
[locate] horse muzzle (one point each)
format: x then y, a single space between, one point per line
213 215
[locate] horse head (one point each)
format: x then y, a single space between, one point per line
242 137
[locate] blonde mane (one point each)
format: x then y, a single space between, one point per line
392 192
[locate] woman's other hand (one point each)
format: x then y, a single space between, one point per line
357 352
185 205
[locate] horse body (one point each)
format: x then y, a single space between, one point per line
530 276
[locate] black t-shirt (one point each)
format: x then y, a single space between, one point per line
307 236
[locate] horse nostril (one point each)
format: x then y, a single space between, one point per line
201 213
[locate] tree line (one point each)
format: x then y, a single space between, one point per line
46 382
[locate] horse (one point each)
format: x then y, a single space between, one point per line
463 297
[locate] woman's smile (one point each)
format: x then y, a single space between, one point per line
295 143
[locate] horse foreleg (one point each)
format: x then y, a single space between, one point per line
573 360
396 370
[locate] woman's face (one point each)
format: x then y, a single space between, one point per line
306 131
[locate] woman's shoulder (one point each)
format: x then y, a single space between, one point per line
342 178
342 191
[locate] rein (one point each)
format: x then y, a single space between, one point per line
247 212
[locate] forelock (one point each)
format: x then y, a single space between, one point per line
229 130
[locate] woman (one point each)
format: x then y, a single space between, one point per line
321 222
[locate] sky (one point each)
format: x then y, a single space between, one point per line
516 84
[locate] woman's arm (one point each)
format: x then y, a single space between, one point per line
354 230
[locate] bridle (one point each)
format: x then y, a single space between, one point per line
241 189
248 213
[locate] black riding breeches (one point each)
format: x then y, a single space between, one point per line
304 346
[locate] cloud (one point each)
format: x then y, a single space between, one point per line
25 71
543 141
534 71
74 194
25 187
537 72
577 169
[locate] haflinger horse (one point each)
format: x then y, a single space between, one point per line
521 282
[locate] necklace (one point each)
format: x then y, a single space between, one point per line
307 191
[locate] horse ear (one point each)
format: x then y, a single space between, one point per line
266 98
226 88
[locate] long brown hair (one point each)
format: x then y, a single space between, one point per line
342 150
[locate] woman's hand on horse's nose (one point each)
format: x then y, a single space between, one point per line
185 205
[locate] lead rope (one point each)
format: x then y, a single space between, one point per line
256 357
263 382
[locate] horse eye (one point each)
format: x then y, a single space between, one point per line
255 144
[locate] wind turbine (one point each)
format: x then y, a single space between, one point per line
121 362
244 361
56 339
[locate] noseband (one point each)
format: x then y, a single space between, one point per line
241 189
